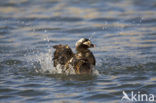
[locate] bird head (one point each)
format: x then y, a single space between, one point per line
84 43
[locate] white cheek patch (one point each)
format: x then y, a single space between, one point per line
87 43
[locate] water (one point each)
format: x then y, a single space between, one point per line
124 32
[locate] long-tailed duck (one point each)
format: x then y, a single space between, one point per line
82 61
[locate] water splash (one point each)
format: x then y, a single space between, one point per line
45 62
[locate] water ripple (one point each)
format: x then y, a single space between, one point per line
124 34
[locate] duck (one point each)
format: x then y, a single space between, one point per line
83 61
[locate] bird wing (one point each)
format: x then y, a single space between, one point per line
62 54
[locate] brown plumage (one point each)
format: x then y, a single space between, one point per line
62 54
82 61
